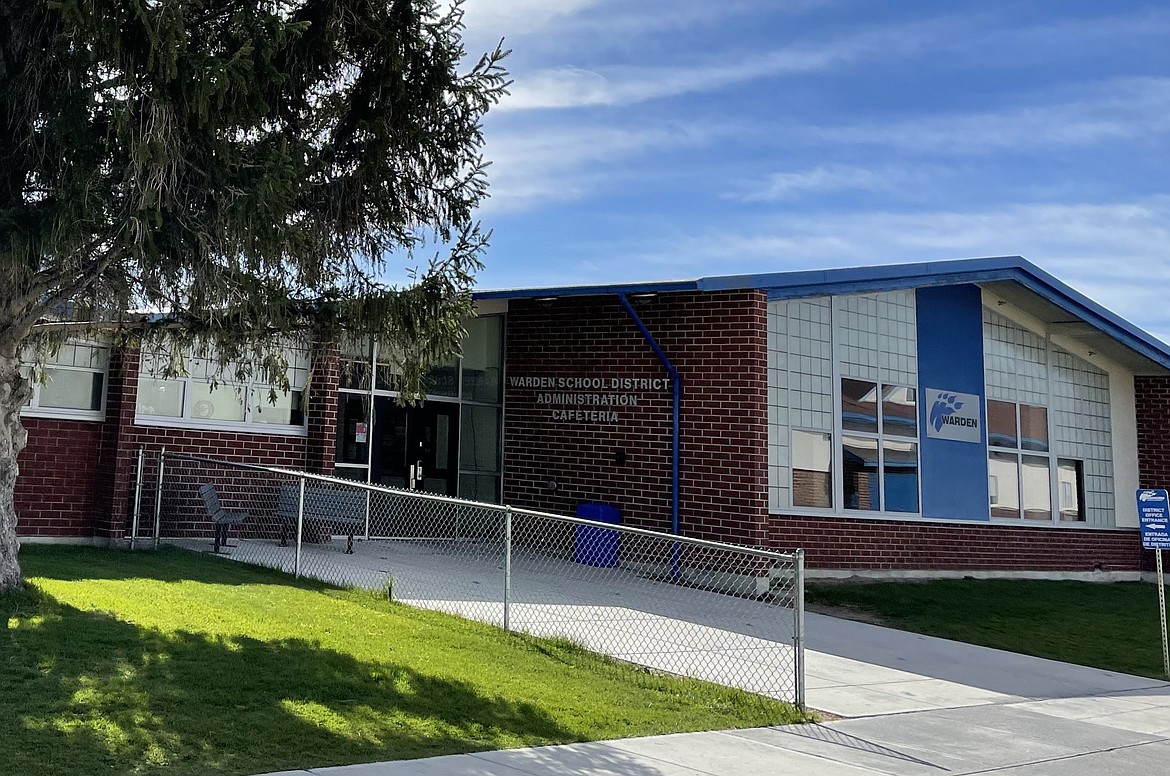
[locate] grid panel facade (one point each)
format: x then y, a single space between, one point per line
800 382
877 338
1081 429
1018 369
1015 362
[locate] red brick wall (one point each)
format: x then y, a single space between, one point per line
718 344
854 543
1152 397
57 488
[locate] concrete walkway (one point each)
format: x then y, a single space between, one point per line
918 705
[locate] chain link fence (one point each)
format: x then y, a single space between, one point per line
719 612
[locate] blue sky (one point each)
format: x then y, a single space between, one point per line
656 139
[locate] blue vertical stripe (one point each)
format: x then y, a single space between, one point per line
950 358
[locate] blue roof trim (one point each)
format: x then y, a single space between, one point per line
851 280
616 288
1081 306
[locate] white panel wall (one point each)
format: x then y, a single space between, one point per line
877 337
1023 366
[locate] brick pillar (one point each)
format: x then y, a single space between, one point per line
321 449
1152 400
118 456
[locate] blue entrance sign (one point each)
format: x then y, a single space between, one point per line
1154 518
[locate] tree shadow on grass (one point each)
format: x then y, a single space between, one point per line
166 564
83 692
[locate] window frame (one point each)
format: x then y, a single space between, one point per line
834 499
1019 452
880 437
249 426
34 409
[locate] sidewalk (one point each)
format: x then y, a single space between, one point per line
919 705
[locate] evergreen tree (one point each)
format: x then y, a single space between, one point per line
252 168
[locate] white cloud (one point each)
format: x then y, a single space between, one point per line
571 87
552 24
522 17
1112 110
565 163
822 178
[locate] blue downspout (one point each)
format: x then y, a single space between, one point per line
674 378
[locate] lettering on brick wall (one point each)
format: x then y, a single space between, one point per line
596 383
601 395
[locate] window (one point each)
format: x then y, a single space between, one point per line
72 384
879 446
812 472
1023 476
207 396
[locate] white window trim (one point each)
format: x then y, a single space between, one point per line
234 427
53 413
34 410
880 437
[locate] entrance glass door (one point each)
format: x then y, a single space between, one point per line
416 447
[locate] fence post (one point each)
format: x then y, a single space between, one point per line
300 529
162 462
507 568
369 499
798 628
137 498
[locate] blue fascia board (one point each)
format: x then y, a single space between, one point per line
898 275
660 287
875 285
1082 307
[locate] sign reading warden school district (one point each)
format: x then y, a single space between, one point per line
1154 518
588 399
953 416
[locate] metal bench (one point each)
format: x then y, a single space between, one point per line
343 510
222 518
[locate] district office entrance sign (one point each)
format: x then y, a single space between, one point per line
952 415
1154 518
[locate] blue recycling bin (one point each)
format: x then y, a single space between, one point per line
597 546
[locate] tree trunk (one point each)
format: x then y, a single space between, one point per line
14 392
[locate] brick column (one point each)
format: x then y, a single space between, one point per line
118 456
321 447
1152 397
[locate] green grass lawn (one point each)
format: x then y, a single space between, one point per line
119 662
1111 626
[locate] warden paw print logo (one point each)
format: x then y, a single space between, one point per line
945 405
